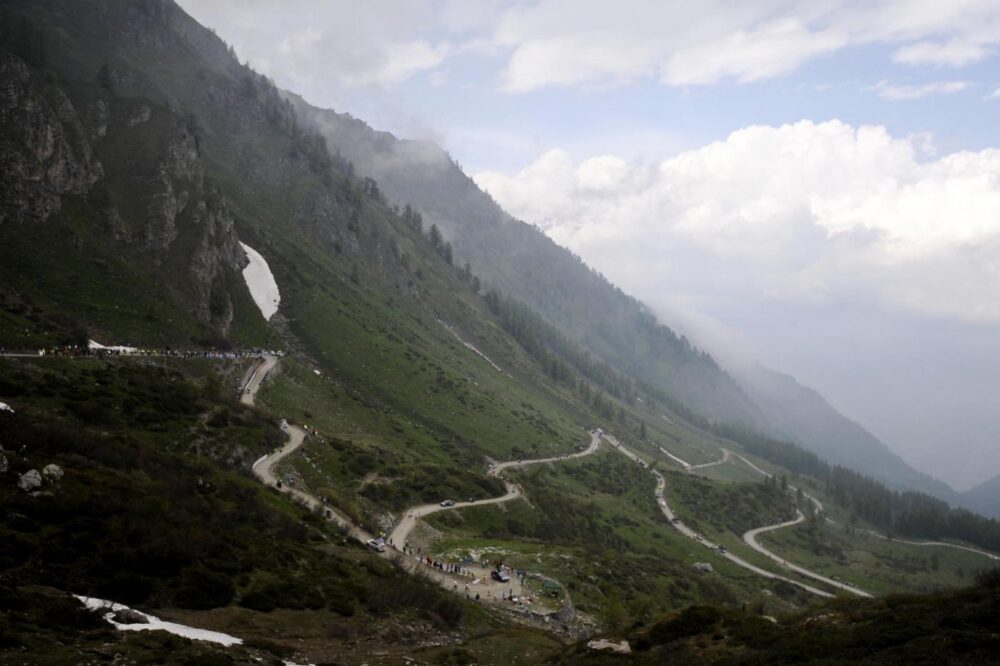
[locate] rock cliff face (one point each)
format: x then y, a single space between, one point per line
134 163
43 146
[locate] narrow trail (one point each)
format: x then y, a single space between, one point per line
940 544
689 467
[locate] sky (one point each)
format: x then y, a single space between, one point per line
814 185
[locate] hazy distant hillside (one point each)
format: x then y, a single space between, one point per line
524 262
521 261
984 498
804 416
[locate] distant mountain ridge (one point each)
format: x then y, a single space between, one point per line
801 414
522 261
984 498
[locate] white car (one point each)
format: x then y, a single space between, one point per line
448 503
377 545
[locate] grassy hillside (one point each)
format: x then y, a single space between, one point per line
167 153
947 628
155 510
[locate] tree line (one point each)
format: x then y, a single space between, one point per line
898 513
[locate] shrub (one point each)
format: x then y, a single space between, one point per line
202 589
691 621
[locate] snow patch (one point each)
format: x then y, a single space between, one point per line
4 407
156 623
95 345
470 346
260 282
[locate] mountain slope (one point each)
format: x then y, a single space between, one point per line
526 264
521 261
984 498
802 415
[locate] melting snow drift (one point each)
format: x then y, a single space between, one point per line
94 344
261 282
156 623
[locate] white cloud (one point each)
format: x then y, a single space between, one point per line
805 212
596 44
994 95
406 58
591 44
896 93
321 47
955 53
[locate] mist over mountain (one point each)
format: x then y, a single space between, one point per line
279 388
523 262
984 498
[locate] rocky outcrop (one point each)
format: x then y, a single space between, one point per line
52 472
185 223
30 481
4 464
150 195
43 146
129 616
603 644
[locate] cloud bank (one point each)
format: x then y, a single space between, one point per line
864 264
804 212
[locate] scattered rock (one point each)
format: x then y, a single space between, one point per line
129 616
141 116
703 567
4 465
52 472
605 644
30 480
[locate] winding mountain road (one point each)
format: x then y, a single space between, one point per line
750 537
402 530
485 588
264 470
688 532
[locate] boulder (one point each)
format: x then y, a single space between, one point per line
30 481
703 567
52 472
129 616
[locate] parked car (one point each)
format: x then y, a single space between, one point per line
448 503
722 549
500 576
377 545
677 521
